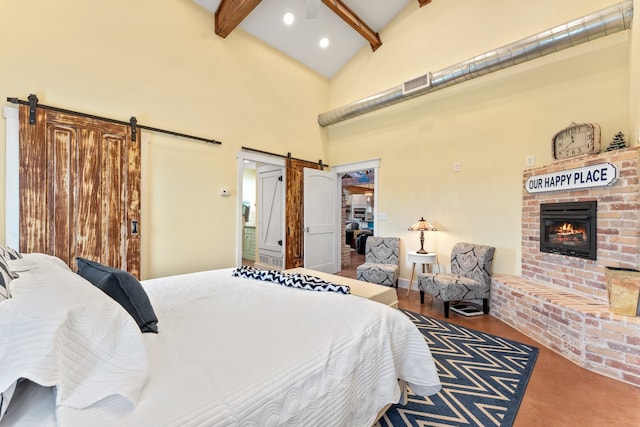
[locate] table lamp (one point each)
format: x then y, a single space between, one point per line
422 225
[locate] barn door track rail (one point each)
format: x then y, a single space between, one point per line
32 102
288 156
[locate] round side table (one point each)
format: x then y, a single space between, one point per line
425 259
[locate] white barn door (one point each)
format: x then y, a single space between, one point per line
270 216
321 221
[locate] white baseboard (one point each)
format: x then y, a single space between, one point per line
404 283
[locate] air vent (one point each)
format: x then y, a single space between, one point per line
416 83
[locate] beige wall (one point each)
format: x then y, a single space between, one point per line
161 62
489 125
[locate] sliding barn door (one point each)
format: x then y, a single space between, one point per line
79 189
270 215
295 212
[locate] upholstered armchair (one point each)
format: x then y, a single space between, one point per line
470 277
381 258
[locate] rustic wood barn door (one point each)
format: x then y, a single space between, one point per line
79 189
294 256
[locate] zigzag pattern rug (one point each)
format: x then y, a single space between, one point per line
483 378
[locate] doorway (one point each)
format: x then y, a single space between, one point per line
357 204
251 226
249 209
248 159
358 192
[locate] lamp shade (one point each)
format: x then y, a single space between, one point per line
422 225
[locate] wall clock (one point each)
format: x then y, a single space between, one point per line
576 140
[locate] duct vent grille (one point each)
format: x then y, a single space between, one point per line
416 83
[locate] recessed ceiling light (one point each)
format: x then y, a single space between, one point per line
288 18
324 42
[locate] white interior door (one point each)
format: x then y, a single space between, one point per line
270 215
321 214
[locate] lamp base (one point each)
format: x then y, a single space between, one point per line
421 250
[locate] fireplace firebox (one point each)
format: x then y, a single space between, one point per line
569 229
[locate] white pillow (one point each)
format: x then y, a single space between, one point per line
6 276
9 253
59 330
20 265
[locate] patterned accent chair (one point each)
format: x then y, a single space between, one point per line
470 277
381 261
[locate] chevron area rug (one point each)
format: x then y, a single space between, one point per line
483 378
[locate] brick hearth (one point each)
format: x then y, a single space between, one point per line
561 301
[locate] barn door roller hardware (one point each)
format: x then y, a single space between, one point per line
33 103
133 122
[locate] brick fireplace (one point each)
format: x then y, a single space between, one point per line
561 301
618 226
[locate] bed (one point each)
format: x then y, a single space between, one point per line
228 351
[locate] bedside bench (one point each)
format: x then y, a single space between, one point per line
382 294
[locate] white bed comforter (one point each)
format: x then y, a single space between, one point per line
233 351
59 330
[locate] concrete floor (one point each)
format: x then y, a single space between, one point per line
560 393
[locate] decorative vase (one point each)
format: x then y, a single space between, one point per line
623 290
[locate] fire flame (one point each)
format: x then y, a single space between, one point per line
567 229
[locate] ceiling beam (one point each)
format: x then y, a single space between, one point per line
424 2
355 22
230 14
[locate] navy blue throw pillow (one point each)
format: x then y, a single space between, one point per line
124 288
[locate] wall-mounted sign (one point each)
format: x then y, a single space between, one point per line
599 175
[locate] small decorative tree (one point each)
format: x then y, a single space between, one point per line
618 142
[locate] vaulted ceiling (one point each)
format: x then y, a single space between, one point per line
347 26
